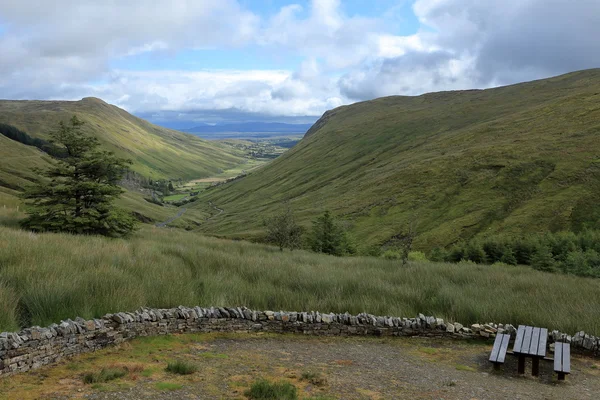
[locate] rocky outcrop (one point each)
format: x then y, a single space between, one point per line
34 347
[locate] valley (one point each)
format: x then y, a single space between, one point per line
458 165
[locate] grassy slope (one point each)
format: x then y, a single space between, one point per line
157 152
48 277
515 159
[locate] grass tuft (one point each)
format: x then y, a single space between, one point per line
105 375
265 390
314 378
181 368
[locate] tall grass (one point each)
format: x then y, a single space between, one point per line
48 277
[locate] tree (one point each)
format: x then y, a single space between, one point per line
283 231
79 195
508 256
542 259
328 237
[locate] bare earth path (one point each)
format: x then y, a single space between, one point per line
349 368
173 218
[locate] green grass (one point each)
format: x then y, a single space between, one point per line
181 368
48 277
175 197
105 375
168 386
510 160
265 390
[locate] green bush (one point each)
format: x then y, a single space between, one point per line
105 375
265 390
417 256
391 255
181 368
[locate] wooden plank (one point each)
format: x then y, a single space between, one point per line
526 340
543 342
503 348
566 358
496 349
519 339
558 356
535 341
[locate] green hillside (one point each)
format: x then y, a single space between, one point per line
515 159
157 152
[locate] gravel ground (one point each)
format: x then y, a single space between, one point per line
356 368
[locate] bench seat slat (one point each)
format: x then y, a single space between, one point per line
558 353
543 341
535 341
503 348
526 340
519 339
496 349
566 358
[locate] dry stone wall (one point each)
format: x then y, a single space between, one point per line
34 347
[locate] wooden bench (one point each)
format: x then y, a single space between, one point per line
499 350
562 359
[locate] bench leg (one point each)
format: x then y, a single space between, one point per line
496 366
521 366
535 366
561 376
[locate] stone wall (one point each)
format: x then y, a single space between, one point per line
34 347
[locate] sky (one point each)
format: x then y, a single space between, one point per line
184 62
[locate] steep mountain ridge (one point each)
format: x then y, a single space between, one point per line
156 152
513 160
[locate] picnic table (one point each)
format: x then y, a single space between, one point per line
530 342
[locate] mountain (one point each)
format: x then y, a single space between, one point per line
156 152
255 127
512 160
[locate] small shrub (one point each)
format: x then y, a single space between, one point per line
314 378
265 390
391 255
181 368
417 256
105 375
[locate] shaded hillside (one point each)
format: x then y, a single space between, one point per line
514 159
157 152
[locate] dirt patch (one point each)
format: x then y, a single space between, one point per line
334 368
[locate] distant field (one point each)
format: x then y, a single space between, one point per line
49 277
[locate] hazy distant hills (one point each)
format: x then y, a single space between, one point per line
515 159
251 127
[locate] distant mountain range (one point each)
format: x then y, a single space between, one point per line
252 127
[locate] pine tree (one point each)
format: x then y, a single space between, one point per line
329 237
78 197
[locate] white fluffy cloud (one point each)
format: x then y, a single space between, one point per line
63 49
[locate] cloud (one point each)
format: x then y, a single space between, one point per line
64 49
480 44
